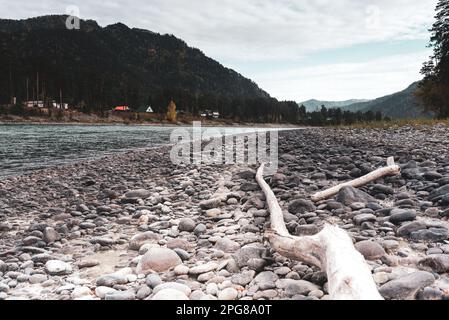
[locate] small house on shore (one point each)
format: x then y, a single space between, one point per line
145 109
34 104
121 109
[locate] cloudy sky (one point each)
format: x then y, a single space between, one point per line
294 49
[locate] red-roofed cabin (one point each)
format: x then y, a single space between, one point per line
121 108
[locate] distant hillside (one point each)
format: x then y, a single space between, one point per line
314 105
400 105
102 67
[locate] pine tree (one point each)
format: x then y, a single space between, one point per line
434 89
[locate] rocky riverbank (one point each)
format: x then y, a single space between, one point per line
135 226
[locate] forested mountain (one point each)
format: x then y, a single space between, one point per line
97 68
400 105
315 105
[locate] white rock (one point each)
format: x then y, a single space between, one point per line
58 267
101 292
170 294
204 268
79 292
181 270
212 288
228 294
174 286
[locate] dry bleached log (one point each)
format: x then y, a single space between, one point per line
332 250
390 169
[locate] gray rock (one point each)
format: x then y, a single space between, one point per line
210 204
364 217
406 287
120 295
243 278
143 292
432 234
111 280
407 228
153 280
186 224
371 250
266 280
436 262
227 245
51 235
349 195
138 194
158 260
438 193
200 229
301 206
402 215
246 253
296 287
3 266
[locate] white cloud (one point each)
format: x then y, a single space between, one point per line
343 81
255 29
273 31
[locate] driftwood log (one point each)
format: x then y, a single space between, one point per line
332 250
390 169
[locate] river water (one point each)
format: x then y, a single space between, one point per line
24 148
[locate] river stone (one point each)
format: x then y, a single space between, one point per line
243 278
364 217
153 280
407 228
138 194
301 206
51 235
243 255
227 245
228 294
174 286
370 250
120 296
159 260
438 193
203 268
102 291
142 238
111 280
170 294
350 195
398 216
57 267
406 287
186 224
210 204
432 234
296 287
266 280
436 262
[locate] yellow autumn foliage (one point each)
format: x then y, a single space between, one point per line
171 112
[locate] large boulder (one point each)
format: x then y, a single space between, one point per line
158 260
406 287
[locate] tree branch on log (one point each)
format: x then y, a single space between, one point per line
390 169
332 250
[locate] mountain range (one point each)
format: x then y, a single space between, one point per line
107 66
400 105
